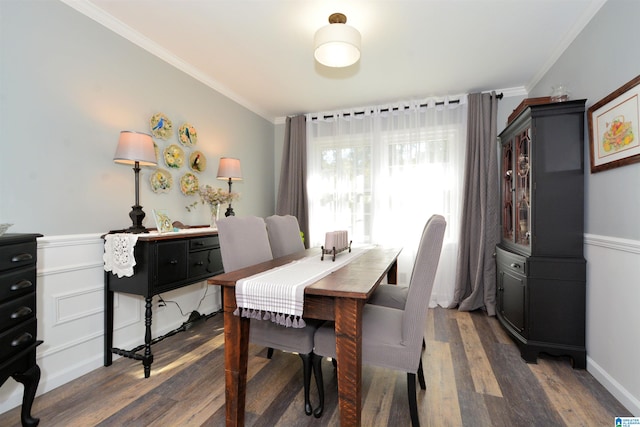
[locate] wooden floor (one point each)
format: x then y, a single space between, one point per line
474 374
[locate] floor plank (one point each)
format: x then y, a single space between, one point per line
468 359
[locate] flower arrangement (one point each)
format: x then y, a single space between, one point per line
213 197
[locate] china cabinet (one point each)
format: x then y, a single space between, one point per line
541 271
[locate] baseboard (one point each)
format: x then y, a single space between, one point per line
614 387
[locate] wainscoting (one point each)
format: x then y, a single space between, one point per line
70 287
71 301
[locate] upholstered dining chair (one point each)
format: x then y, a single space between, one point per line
244 242
284 235
392 338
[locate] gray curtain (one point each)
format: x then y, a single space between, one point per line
292 190
475 272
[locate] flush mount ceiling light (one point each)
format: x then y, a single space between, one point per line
337 44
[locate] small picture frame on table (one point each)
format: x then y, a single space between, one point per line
163 222
614 123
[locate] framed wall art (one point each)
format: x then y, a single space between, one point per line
614 122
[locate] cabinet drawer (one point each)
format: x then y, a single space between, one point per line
203 243
172 262
19 282
17 310
204 263
17 338
18 255
514 263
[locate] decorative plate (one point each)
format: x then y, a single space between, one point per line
161 181
174 156
187 135
189 184
161 126
197 161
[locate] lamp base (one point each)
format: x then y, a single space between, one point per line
229 212
137 215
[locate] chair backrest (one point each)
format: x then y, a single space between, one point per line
243 242
421 284
284 235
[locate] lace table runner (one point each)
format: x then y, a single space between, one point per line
118 253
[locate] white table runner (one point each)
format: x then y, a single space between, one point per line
118 253
278 294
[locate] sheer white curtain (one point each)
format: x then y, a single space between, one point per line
381 172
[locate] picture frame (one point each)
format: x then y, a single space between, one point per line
614 125
163 222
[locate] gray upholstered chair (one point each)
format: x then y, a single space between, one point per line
284 235
392 338
244 242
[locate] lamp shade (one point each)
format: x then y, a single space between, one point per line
337 44
229 168
135 147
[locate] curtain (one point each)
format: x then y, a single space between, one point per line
479 234
292 190
381 172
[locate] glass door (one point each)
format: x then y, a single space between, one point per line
522 188
507 191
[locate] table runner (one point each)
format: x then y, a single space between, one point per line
278 294
118 253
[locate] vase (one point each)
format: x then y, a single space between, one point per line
215 210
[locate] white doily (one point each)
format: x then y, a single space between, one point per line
118 253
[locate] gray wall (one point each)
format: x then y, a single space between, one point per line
600 60
68 87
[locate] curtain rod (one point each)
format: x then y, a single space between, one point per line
406 107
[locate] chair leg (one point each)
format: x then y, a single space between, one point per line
306 368
269 353
423 384
317 372
413 403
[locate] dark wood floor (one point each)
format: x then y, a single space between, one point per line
474 373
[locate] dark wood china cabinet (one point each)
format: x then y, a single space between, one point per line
541 271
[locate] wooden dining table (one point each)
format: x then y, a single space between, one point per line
339 297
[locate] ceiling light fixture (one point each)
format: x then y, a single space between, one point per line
337 44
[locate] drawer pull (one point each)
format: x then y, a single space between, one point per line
22 257
21 312
199 263
173 262
514 265
22 339
21 285
198 243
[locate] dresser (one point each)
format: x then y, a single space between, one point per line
541 271
18 324
164 262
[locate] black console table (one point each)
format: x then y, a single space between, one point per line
163 262
18 324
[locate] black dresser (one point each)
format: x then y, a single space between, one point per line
18 324
163 262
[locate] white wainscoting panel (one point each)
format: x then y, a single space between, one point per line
70 309
613 316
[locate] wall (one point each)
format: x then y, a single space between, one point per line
601 59
68 86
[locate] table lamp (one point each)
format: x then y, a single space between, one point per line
136 148
229 168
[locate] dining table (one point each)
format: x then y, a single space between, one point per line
338 297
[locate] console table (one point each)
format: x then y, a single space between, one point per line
164 262
18 324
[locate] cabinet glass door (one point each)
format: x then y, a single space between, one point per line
507 190
522 193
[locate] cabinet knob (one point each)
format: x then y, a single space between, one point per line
199 263
21 285
22 339
514 265
21 312
173 262
21 257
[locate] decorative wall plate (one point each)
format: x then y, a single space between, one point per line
161 126
197 161
174 156
187 135
161 181
189 184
